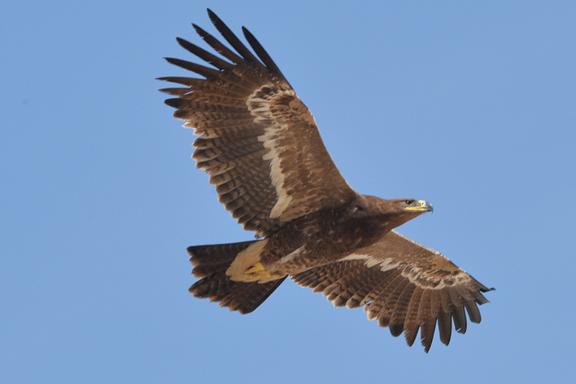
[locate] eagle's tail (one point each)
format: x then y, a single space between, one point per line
211 262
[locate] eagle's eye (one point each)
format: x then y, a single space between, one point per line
408 202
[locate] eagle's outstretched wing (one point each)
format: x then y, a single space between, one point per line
403 285
256 139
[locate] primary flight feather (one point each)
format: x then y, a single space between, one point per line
261 147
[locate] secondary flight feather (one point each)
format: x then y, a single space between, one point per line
261 147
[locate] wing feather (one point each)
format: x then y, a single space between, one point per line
404 286
379 295
256 139
201 70
400 311
231 37
445 326
203 54
427 322
261 52
390 298
412 324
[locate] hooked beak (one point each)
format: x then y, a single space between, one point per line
419 206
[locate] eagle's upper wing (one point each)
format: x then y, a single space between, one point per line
404 285
256 139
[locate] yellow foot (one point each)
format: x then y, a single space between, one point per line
257 272
255 269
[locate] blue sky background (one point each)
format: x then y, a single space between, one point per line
470 105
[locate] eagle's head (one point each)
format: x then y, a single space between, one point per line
393 212
410 206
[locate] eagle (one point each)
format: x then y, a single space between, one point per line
261 147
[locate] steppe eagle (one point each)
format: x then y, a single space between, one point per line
261 148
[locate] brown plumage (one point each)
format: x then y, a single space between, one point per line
261 147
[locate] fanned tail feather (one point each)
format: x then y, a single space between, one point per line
210 263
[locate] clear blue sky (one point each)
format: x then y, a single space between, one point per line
470 105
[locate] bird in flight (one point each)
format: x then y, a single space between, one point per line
262 150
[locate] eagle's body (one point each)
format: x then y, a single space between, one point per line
316 239
261 147
322 237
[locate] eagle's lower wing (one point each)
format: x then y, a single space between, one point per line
256 139
403 285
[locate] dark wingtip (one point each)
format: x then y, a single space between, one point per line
396 329
481 286
174 91
174 103
171 60
213 16
200 31
262 53
426 341
410 338
484 288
